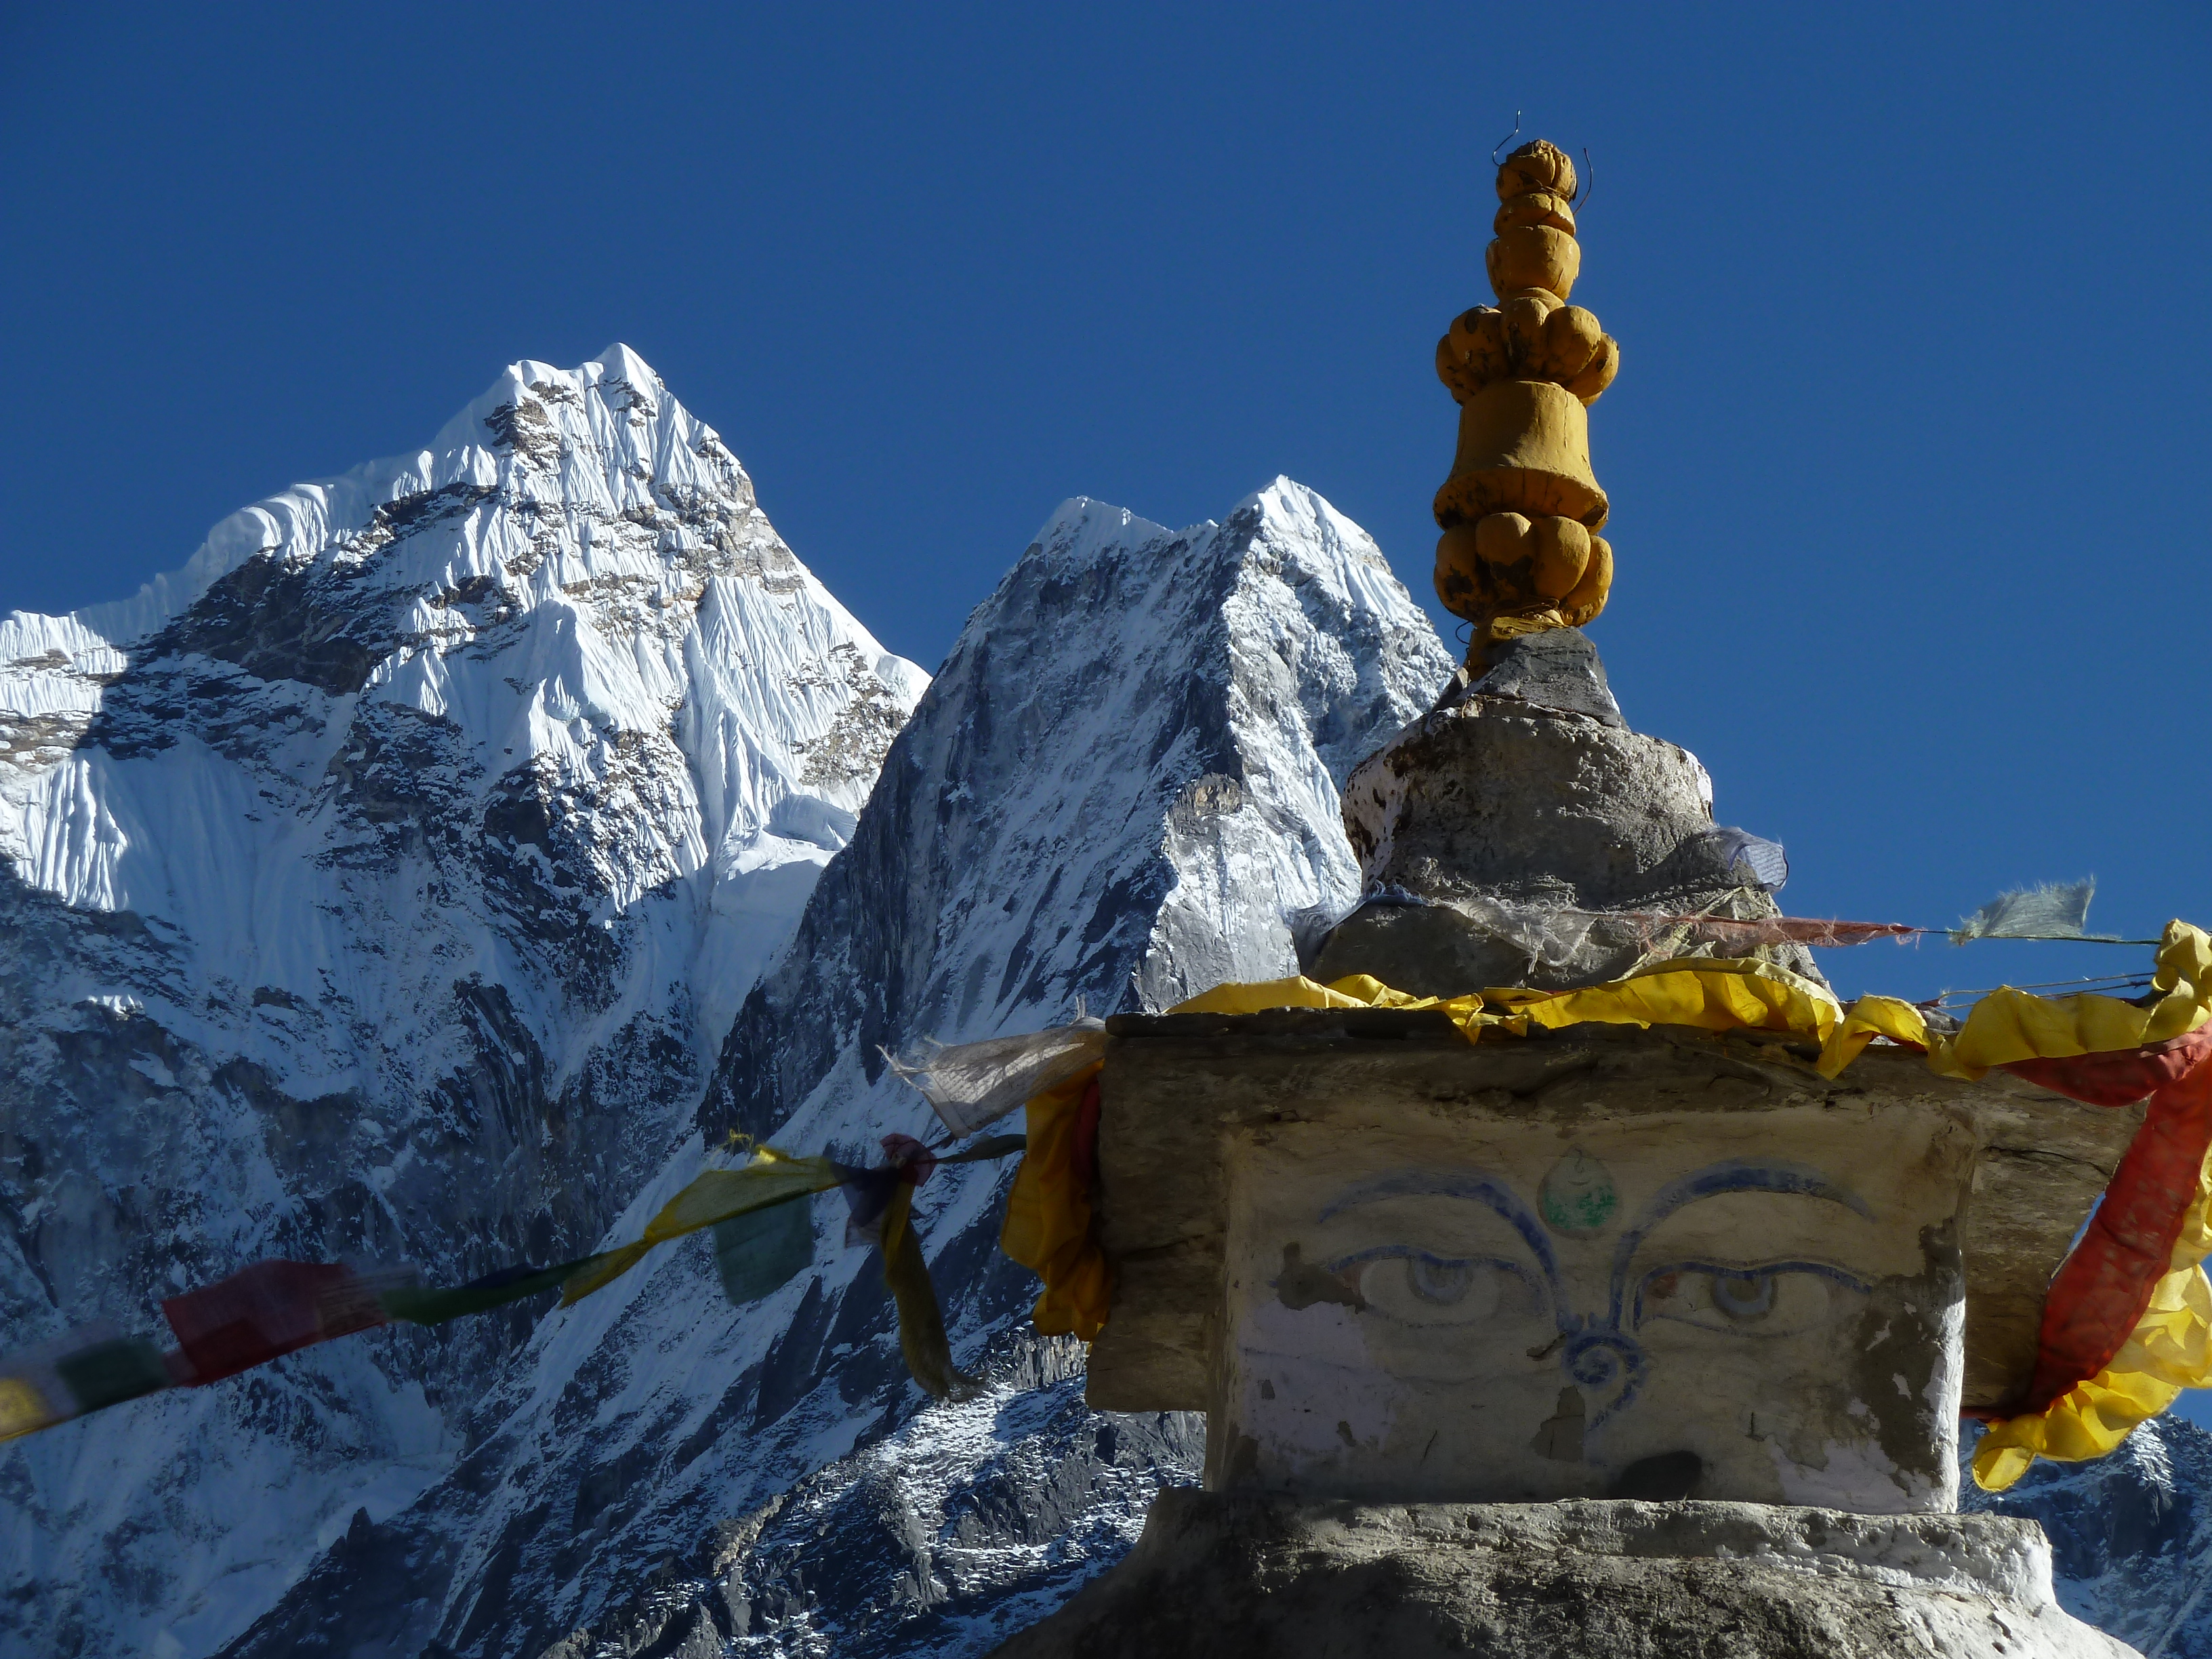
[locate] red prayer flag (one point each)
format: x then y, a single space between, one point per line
2099 1293
269 1309
1086 1137
915 1161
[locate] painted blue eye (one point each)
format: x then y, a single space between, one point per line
1770 1299
1439 1281
1406 1284
1743 1297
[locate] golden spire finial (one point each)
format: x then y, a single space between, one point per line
1517 553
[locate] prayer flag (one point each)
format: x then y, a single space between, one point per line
93 1366
269 1309
757 1253
923 1342
867 1194
2054 910
418 1304
771 1177
975 1084
109 1372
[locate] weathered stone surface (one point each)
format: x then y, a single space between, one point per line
1180 1088
1652 1275
1239 1577
1597 1302
1557 669
1497 797
1502 836
2046 1162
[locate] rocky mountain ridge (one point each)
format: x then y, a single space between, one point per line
394 884
1120 787
2131 1535
372 889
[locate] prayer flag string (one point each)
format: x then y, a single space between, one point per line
764 1239
2128 1323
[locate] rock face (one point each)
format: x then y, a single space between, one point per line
1121 787
1145 732
1501 835
1557 669
1229 1575
2131 1535
380 887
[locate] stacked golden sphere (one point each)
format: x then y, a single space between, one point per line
1520 511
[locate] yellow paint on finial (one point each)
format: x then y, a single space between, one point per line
1520 509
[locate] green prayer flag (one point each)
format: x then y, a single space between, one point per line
419 1304
108 1373
759 1252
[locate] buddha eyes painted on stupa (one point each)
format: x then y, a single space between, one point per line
1762 1299
1415 1286
1454 1275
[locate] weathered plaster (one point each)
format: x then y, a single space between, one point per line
1504 1310
1255 1576
1179 1091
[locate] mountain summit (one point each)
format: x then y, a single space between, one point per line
381 886
411 878
1121 787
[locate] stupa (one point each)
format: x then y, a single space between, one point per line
1600 1340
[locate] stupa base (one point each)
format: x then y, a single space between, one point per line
1233 1575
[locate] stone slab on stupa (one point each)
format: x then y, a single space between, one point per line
1233 1148
1522 833
1247 1576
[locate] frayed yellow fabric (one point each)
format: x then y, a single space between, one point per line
1863 1021
771 1177
1710 993
922 1342
601 1271
1743 994
1047 1225
2008 1025
1354 991
23 1408
2171 1348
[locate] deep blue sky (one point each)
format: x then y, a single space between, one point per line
1904 453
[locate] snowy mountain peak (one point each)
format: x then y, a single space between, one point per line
574 588
610 410
1081 530
1303 519
1120 787
381 884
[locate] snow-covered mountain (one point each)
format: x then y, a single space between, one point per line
2131 1535
382 886
1121 786
393 883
